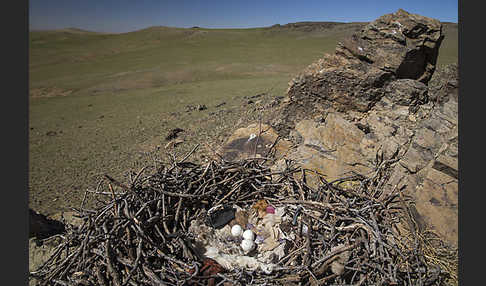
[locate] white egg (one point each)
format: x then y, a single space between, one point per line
236 230
247 245
249 235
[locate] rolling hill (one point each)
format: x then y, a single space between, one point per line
103 103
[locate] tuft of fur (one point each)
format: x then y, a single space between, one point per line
230 262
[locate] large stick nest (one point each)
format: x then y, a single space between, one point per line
139 235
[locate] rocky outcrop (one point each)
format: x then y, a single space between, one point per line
429 167
378 99
403 44
397 46
420 139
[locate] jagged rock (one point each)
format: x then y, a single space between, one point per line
407 92
402 43
365 67
444 84
429 169
377 80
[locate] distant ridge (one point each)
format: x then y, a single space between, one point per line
71 30
304 26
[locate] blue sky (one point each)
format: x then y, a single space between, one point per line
130 15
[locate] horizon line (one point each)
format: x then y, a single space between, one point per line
200 27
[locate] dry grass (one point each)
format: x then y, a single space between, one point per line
438 253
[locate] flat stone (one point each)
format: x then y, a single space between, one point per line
446 169
428 139
254 141
413 161
437 204
331 148
69 217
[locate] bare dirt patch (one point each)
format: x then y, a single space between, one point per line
49 92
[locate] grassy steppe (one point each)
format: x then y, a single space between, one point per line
103 103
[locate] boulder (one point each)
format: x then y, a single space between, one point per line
365 67
256 140
401 43
41 226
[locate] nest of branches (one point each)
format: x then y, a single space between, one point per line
139 235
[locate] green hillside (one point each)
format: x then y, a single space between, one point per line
103 103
